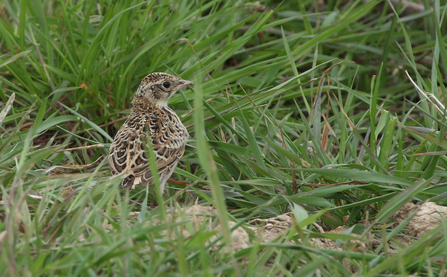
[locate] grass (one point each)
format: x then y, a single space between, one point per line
332 110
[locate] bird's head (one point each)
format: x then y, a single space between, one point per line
159 87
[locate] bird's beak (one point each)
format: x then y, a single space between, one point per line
184 84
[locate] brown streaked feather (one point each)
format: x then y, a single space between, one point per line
128 152
128 155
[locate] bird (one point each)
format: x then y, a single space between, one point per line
150 115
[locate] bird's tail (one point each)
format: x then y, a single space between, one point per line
128 182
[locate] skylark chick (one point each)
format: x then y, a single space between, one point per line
150 114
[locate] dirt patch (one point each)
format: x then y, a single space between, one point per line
426 217
204 218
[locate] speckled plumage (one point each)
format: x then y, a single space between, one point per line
150 115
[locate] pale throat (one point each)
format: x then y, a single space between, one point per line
161 103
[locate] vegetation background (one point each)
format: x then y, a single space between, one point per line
333 110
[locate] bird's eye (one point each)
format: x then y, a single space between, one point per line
166 84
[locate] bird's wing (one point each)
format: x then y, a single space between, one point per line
168 141
129 148
127 155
